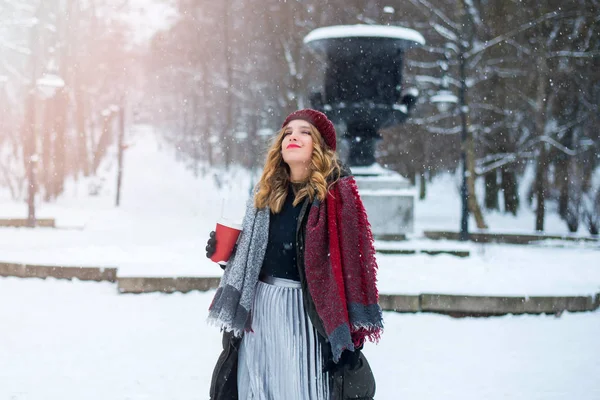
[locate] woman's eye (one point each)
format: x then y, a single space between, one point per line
286 134
306 132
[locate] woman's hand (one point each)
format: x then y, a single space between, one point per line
349 358
211 245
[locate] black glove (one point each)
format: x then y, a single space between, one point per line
211 247
348 358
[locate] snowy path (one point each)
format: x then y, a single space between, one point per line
160 228
81 340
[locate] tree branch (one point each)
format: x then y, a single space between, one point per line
436 11
523 28
574 54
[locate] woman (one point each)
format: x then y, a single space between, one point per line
298 299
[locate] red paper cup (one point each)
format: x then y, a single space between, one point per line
226 234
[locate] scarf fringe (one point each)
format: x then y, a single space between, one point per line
224 326
362 332
371 330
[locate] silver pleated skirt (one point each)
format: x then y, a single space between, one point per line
281 358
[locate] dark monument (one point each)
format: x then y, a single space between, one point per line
363 82
362 93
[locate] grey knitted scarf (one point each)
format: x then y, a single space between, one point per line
232 303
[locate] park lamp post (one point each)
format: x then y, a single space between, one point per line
444 100
46 86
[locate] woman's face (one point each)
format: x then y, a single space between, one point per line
297 144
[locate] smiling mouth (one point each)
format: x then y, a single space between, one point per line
293 146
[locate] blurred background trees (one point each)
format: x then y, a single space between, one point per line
219 77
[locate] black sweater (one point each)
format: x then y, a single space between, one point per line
280 257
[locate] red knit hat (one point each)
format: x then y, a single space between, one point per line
319 120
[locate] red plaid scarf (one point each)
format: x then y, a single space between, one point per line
341 268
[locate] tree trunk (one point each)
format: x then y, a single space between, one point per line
575 184
562 181
46 164
60 104
412 174
120 149
195 132
468 142
29 150
540 188
473 203
588 164
422 186
60 142
207 125
103 142
227 134
82 160
510 188
92 128
542 163
82 149
30 123
491 190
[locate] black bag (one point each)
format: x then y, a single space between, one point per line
223 385
354 381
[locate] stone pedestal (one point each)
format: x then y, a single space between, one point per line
389 200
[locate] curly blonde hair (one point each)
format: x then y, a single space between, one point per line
275 180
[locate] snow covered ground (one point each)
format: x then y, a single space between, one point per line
82 340
64 340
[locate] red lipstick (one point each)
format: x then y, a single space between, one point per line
292 145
